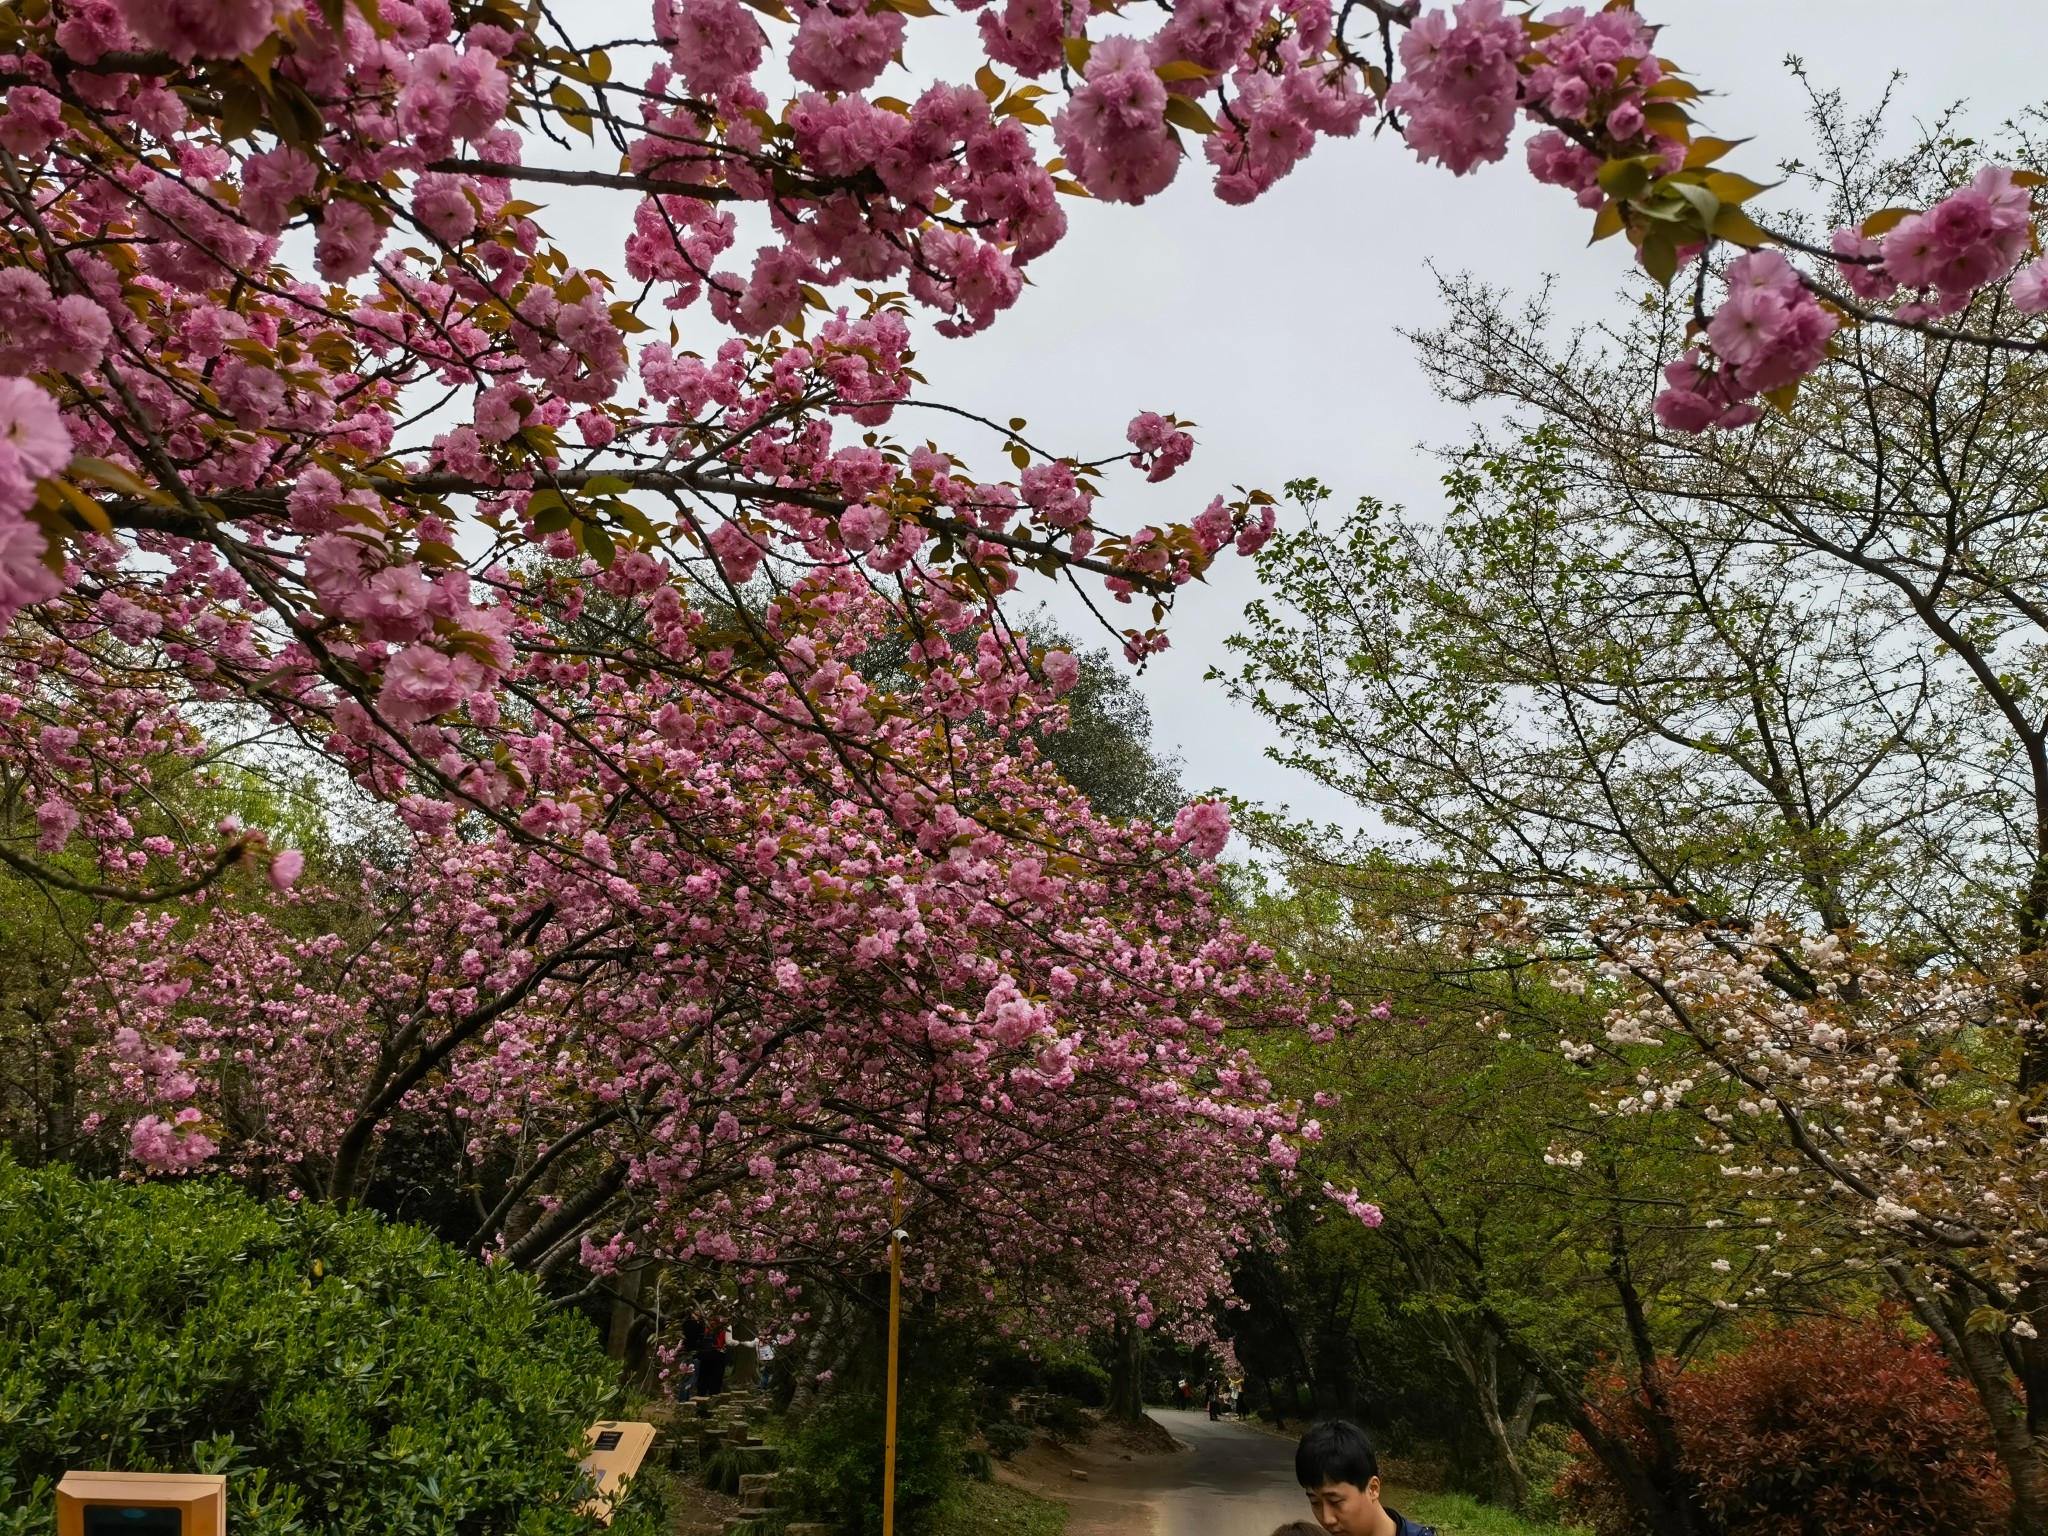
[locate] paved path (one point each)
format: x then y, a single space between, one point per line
1232 1481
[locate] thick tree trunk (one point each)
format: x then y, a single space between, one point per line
1508 1433
815 1346
2022 1451
1127 1374
625 1313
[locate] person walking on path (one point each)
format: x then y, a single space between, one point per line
693 1343
1339 1471
711 1358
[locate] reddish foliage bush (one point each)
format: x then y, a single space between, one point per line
1833 1428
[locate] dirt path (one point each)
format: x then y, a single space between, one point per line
1229 1480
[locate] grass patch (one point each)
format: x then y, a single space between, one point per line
995 1509
1459 1514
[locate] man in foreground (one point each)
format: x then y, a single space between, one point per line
1337 1467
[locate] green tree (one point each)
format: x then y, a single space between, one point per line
1792 671
1527 1235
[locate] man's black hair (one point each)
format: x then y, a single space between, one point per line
1335 1451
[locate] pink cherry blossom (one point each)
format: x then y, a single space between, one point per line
419 683
1204 826
844 50
1162 446
714 43
1460 83
271 182
31 122
54 823
34 442
442 205
349 237
2029 291
1062 670
1970 238
738 554
208 29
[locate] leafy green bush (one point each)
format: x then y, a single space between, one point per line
1005 1437
832 1460
1065 1420
353 1378
1083 1380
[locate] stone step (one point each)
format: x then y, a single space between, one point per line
758 1490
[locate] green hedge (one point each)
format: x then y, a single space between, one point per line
353 1378
832 1460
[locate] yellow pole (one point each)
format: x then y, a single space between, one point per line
895 1330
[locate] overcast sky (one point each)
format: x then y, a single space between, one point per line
1274 326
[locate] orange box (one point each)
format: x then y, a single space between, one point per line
617 1448
142 1504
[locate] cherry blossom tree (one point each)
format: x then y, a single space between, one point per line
720 988
303 415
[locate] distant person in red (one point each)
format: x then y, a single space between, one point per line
711 1358
1183 1393
1339 1471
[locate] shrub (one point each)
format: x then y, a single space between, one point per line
1065 1420
1546 1457
832 1459
1083 1380
350 1376
1847 1428
1005 1437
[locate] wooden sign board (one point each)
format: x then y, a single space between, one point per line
142 1504
616 1450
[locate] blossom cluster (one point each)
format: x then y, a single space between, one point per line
1769 333
1892 1079
753 984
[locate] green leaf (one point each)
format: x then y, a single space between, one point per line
1626 179
1705 152
1672 121
575 110
1022 109
1731 188
241 106
115 478
1704 203
1187 113
1660 258
1885 220
93 514
1782 397
1738 228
